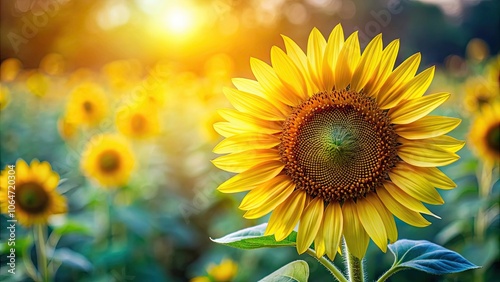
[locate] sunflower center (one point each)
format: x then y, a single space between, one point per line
338 145
88 107
109 161
493 138
138 122
32 198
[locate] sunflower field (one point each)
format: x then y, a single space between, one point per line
227 140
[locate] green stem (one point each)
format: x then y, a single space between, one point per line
328 265
42 252
388 274
484 177
30 268
354 266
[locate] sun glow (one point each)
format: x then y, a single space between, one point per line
179 20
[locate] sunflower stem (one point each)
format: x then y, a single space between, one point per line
30 268
328 265
388 274
354 266
41 252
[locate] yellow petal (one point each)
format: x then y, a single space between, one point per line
319 241
248 122
436 177
411 110
251 178
268 195
309 224
254 87
315 50
425 154
252 104
52 181
389 55
289 74
355 235
389 95
242 161
347 62
415 185
372 223
418 85
332 50
387 218
22 170
269 80
246 141
427 127
405 199
332 228
227 129
445 142
299 58
400 211
368 64
286 216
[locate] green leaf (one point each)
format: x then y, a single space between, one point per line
428 257
253 238
72 259
296 271
72 227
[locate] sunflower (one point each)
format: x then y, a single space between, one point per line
35 195
138 121
87 105
223 272
336 141
10 69
66 128
479 92
108 159
484 137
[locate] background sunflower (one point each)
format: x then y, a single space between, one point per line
35 195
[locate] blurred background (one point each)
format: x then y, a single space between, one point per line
178 55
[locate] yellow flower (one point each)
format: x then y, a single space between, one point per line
224 272
479 92
53 64
493 73
108 159
484 136
87 105
66 128
10 68
33 195
38 84
337 142
138 121
4 97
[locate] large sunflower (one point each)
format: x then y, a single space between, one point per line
336 141
484 136
35 197
108 159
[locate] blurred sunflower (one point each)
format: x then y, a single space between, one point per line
4 97
223 272
139 121
493 73
9 69
478 92
38 84
87 104
484 136
108 159
336 141
36 197
66 128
